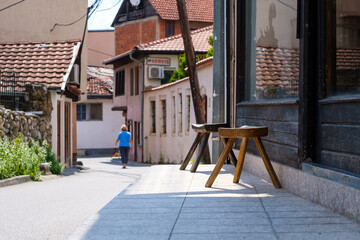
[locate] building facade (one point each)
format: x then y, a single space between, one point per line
53 22
139 22
147 66
294 66
169 112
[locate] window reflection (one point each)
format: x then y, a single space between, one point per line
347 48
272 60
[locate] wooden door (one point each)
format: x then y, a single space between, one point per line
68 134
58 134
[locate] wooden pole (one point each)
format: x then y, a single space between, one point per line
190 59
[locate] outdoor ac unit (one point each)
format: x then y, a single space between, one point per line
156 72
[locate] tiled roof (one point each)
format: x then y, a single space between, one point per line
100 81
198 10
171 44
277 67
175 43
348 59
37 62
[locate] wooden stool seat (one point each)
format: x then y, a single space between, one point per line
244 132
203 133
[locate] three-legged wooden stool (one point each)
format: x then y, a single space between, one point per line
203 133
244 132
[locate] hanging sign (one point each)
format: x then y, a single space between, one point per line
158 61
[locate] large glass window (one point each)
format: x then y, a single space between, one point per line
272 50
344 42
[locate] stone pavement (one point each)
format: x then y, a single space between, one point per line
167 203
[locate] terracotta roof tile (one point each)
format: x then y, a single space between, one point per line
175 43
279 67
37 62
198 10
100 81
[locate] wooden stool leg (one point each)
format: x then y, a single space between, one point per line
220 162
267 163
192 149
240 163
203 144
231 155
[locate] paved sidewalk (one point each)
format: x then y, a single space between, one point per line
167 203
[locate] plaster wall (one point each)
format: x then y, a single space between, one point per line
101 46
100 134
172 146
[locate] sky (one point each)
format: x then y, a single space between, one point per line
103 17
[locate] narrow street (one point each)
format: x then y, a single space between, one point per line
54 208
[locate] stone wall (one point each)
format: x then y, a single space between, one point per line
29 125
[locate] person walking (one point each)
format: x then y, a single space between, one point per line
126 143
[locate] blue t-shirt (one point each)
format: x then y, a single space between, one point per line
124 138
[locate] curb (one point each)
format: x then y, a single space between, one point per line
14 180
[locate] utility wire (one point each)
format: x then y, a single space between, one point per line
101 10
100 52
88 13
14 4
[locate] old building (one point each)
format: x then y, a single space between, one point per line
141 21
294 66
49 40
97 125
147 66
169 112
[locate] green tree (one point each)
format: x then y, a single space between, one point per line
181 73
210 52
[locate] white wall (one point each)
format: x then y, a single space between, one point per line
100 134
173 147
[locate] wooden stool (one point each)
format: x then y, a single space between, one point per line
203 133
244 132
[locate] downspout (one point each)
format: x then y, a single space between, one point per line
142 102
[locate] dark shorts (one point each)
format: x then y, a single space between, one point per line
124 152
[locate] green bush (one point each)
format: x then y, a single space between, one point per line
18 157
56 167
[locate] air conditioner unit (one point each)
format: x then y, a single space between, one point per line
156 72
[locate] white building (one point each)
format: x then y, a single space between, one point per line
169 113
97 125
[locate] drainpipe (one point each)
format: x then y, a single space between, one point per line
142 102
218 75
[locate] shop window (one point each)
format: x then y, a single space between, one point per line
120 83
272 50
343 76
89 112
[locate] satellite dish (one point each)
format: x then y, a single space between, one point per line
135 2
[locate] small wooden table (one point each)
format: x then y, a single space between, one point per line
203 133
244 132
